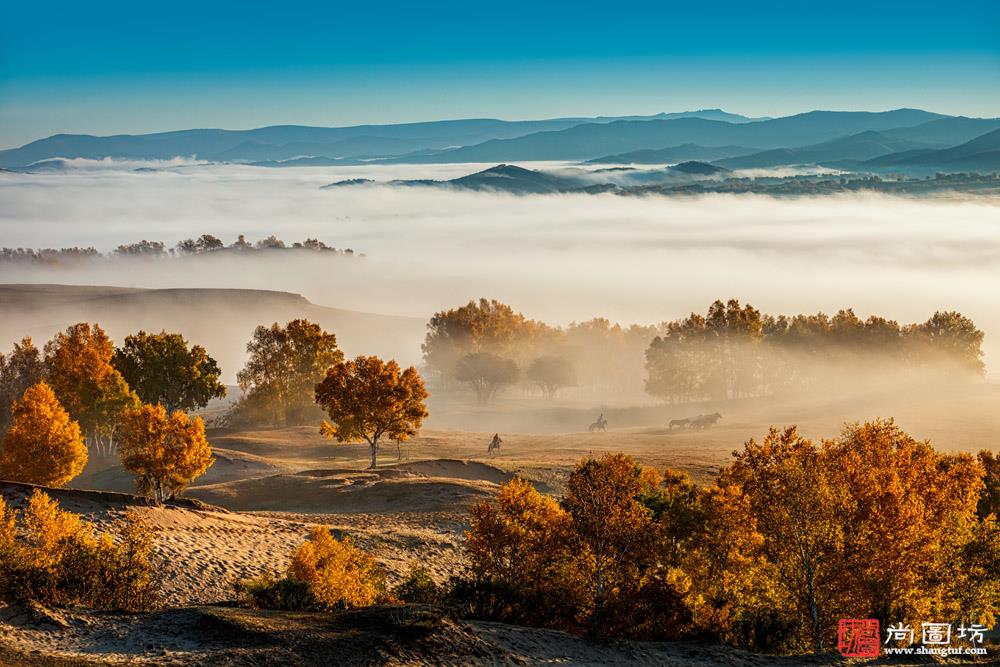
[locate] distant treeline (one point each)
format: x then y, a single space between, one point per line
806 185
737 352
733 351
203 245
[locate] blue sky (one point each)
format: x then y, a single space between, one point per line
125 67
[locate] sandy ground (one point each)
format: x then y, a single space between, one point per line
388 635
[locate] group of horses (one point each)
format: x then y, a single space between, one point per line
701 422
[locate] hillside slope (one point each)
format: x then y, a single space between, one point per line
222 320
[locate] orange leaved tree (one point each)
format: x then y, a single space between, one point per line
613 536
368 399
166 452
78 367
43 445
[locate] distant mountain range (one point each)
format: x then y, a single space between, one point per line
286 142
674 154
903 139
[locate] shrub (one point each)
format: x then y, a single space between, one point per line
339 574
324 573
418 587
285 594
61 559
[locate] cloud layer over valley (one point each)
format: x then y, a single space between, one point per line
557 257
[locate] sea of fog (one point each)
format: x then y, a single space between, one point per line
556 257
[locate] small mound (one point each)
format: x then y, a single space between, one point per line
699 168
455 469
229 465
348 491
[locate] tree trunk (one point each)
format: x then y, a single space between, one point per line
373 450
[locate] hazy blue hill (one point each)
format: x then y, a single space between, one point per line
345 148
280 142
674 154
979 154
698 168
511 178
949 131
588 141
862 146
210 143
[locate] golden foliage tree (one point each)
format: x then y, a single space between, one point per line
78 367
591 563
368 399
519 549
795 509
910 509
166 452
339 574
613 536
873 524
43 445
52 556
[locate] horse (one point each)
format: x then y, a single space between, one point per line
599 425
705 421
494 445
679 423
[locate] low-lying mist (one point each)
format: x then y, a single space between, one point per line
557 258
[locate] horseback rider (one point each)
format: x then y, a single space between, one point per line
494 444
601 420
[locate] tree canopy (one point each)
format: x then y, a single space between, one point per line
43 445
486 373
162 369
166 452
78 367
369 399
285 364
18 370
551 373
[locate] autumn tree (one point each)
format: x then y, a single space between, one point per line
593 562
796 510
485 326
612 534
162 369
551 373
43 445
953 338
368 399
989 500
78 367
18 371
518 548
284 366
909 510
165 452
486 373
873 524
